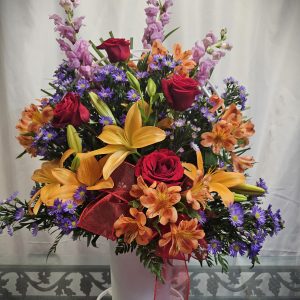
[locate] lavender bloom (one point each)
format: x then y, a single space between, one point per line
214 246
80 193
164 18
105 93
34 229
82 85
105 121
151 11
217 55
198 52
262 184
77 23
133 96
204 72
237 247
209 40
63 45
69 207
167 4
19 214
11 198
236 214
202 218
259 214
10 230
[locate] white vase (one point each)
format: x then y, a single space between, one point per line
131 281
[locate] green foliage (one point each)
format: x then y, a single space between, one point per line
123 247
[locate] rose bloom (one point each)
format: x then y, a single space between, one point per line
70 111
184 238
180 91
220 137
134 228
116 49
160 166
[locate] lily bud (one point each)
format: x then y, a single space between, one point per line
133 81
74 141
101 107
151 87
239 197
75 164
248 189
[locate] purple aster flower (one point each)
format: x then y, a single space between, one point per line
202 218
34 229
122 119
230 80
69 207
236 214
80 193
119 77
82 85
214 246
56 208
194 146
180 122
276 219
105 121
105 93
48 134
237 247
256 244
262 184
67 224
10 230
259 214
140 75
19 214
155 67
207 114
133 96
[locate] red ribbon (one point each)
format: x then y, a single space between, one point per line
99 217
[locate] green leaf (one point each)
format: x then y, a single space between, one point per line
171 32
21 154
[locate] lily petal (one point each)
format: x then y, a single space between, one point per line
190 170
44 175
65 176
228 179
146 136
66 155
133 122
113 135
105 150
102 185
89 171
114 161
200 163
226 195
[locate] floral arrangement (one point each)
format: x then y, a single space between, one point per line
140 148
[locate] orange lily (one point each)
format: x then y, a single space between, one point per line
134 228
217 181
62 183
184 238
160 202
123 142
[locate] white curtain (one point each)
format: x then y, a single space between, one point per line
265 58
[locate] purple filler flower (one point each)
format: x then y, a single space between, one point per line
214 246
105 121
202 217
82 85
237 247
19 214
56 208
133 96
206 114
34 229
236 214
259 214
80 193
105 93
69 207
262 184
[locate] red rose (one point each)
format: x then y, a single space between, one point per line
70 111
180 91
116 49
160 166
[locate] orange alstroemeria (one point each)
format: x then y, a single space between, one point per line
184 238
62 183
220 137
134 228
241 163
216 102
217 181
160 202
123 142
186 64
137 190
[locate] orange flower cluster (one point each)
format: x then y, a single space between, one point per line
229 132
30 123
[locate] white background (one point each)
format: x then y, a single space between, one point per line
265 58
